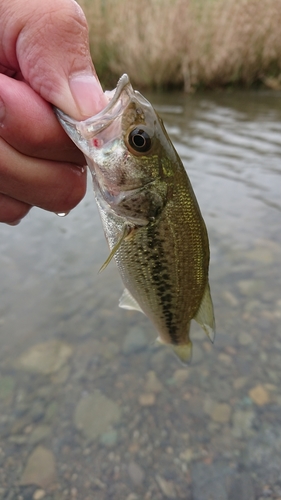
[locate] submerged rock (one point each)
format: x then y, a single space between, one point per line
242 423
46 358
152 383
40 468
147 399
221 413
211 481
136 473
95 414
259 395
38 495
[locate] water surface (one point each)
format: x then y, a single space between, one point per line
90 407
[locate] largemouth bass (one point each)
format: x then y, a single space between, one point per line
150 215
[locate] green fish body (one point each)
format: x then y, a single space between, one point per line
150 215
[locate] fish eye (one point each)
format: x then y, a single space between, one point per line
139 140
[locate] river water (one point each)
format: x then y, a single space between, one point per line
90 407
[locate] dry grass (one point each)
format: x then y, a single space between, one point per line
186 43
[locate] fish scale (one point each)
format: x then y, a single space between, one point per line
150 215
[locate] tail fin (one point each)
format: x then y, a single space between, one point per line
182 351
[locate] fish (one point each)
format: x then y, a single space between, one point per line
151 218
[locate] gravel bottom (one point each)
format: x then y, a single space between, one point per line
111 417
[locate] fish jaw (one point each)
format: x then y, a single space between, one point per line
86 133
105 127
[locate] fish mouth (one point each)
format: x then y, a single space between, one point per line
91 127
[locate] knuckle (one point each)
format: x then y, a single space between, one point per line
57 26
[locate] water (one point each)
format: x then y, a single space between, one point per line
90 407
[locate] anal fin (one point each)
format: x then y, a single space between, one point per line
205 314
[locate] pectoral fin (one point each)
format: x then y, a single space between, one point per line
205 314
127 301
125 233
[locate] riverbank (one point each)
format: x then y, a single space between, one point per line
186 44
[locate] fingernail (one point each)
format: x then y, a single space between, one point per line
2 111
87 93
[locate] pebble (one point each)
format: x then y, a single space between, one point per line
230 298
20 439
40 468
97 482
167 487
187 455
239 382
39 433
38 494
46 358
242 423
136 473
152 383
225 358
221 413
259 395
244 338
147 399
249 287
209 405
95 414
179 376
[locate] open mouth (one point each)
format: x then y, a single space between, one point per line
89 128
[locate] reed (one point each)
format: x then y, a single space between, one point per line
186 43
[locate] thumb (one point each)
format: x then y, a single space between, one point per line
52 50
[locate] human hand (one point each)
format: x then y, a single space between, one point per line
44 60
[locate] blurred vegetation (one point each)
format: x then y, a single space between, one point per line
186 43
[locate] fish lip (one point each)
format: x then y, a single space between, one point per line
93 125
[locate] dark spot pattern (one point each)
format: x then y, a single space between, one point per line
161 282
